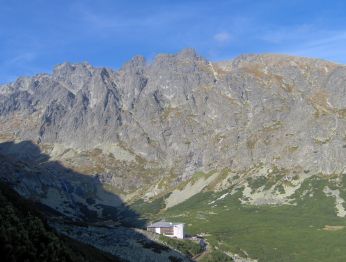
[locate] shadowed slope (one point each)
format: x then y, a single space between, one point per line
77 206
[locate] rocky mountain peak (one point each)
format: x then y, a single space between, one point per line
188 53
69 68
135 65
73 76
186 113
185 55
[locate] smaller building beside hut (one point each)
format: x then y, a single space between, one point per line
168 229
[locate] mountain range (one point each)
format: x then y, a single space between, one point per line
88 142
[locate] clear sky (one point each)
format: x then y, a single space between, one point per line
36 35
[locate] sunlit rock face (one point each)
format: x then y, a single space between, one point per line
181 113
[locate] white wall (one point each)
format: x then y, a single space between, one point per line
178 231
158 230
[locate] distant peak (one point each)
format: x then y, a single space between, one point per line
135 62
69 67
270 59
188 52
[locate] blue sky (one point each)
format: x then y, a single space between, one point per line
36 35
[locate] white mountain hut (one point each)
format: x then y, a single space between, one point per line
168 229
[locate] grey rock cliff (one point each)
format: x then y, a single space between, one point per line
183 113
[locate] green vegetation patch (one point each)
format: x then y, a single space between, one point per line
188 247
268 233
256 182
149 209
216 256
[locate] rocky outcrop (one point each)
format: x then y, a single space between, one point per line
182 113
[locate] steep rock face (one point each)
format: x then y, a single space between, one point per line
183 113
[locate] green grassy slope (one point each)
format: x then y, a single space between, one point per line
268 233
188 247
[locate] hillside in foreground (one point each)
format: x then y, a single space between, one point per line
25 235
